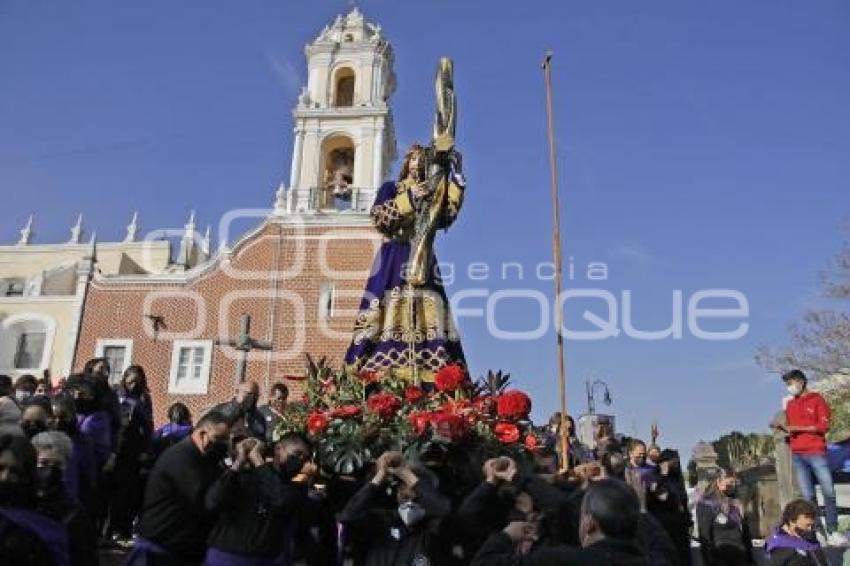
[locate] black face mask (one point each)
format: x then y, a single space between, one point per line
216 451
731 492
48 482
31 428
290 467
806 535
15 494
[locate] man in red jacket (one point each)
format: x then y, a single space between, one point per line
807 415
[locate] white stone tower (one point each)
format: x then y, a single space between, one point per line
344 140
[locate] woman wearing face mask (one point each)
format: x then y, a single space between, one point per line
793 542
94 423
672 510
398 518
53 450
133 454
256 502
723 532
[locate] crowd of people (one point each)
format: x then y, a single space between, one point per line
82 468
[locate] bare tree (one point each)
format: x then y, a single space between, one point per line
819 342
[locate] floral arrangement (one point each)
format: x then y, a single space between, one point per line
353 418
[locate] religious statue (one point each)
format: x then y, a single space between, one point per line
404 325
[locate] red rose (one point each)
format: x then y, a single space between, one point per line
419 421
531 442
413 394
368 377
449 377
385 405
346 411
506 433
317 423
513 405
449 425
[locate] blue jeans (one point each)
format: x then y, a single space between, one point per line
809 467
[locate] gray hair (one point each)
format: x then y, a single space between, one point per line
57 442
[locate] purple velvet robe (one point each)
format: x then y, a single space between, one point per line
393 326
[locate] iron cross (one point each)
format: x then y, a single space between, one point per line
243 344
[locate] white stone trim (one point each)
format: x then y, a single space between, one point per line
41 299
202 386
49 335
82 248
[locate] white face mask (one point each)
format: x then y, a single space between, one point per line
411 513
22 394
795 389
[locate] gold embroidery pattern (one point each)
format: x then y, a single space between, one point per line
386 216
390 319
397 361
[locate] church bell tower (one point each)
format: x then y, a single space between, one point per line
344 140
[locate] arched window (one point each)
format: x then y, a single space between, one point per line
344 87
26 342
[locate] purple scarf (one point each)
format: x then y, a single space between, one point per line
780 539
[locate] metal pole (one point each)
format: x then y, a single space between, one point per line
556 249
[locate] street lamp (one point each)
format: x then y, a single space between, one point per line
591 399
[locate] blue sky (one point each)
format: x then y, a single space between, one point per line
701 145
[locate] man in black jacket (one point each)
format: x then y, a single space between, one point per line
176 513
508 495
401 525
256 502
609 522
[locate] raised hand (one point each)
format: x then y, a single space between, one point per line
257 454
385 465
243 449
505 469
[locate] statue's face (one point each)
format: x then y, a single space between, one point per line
414 166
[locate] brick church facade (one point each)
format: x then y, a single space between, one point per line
298 274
